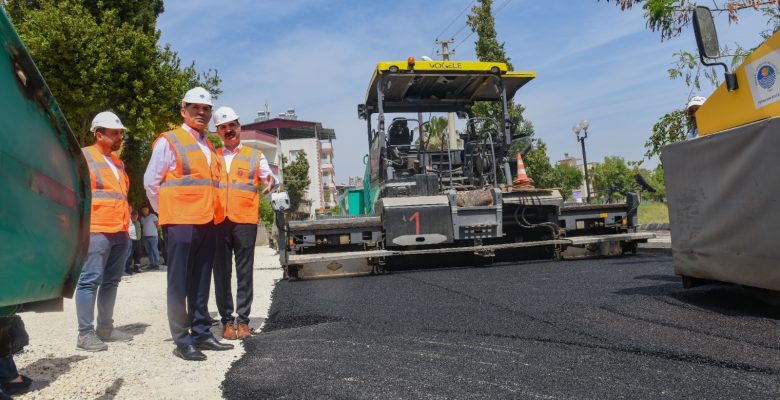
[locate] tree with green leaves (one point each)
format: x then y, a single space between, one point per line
658 182
266 213
488 48
670 18
102 55
296 179
567 178
564 177
215 141
612 177
140 14
537 164
654 178
670 128
434 133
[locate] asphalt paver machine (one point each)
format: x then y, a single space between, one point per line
425 198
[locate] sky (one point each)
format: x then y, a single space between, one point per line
592 62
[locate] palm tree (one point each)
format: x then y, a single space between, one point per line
434 133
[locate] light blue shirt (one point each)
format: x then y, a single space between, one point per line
148 225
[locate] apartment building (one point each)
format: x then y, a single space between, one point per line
286 135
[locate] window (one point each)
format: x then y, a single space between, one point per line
294 155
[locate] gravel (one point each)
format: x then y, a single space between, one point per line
144 367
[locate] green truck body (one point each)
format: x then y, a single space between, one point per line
44 209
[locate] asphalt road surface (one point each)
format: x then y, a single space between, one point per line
592 329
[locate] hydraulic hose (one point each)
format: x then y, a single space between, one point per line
523 223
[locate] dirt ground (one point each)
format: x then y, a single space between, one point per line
144 367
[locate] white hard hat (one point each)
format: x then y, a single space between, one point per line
696 101
224 114
197 95
106 119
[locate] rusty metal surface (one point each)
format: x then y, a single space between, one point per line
533 197
472 198
304 258
415 201
333 268
602 245
573 208
606 249
530 191
576 241
631 236
335 223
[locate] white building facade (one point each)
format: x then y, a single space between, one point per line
287 137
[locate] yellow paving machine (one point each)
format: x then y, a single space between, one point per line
424 201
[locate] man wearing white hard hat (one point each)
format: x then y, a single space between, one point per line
693 105
182 184
245 178
108 237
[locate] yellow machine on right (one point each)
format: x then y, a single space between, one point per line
723 187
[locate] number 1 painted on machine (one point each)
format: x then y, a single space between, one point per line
416 218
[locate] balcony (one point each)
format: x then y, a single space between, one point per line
326 165
326 147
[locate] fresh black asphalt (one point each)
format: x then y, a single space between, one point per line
591 329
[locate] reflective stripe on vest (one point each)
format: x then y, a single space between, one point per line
189 193
99 192
110 212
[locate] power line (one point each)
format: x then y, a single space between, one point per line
460 30
440 35
501 7
498 10
455 19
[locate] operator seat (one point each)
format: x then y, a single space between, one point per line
398 134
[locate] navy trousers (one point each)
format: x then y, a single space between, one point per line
190 253
239 239
8 371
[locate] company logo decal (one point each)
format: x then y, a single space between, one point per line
766 75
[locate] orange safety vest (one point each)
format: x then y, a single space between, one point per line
189 193
110 211
239 189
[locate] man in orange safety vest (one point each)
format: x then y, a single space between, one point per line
108 237
246 176
182 184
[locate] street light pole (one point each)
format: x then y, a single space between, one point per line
583 126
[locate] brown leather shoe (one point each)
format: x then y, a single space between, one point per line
243 331
230 331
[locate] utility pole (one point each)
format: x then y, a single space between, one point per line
445 55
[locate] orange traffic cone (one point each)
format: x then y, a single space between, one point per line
522 181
